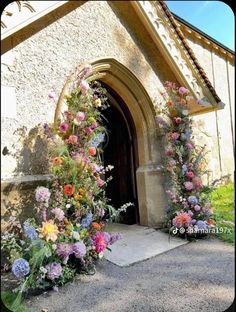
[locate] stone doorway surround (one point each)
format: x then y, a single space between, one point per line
151 195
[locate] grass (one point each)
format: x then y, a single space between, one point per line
224 213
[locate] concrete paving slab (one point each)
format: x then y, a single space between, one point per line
138 243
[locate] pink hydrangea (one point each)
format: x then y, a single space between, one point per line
100 242
88 130
188 186
197 182
59 213
173 136
84 86
183 219
42 194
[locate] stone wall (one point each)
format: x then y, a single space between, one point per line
217 129
39 57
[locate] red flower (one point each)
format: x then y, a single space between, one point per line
68 190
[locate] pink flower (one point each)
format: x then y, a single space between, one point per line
172 163
100 182
69 115
59 214
100 242
178 120
52 95
73 139
182 219
80 116
197 182
84 86
188 186
88 130
173 136
169 152
92 151
189 146
183 90
190 174
63 127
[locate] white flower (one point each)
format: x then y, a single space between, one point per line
75 235
100 255
54 246
68 206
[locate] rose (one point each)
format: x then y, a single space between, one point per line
68 190
63 127
178 120
92 151
190 174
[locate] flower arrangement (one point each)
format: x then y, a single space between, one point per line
189 208
67 234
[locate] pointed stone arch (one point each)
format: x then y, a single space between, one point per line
151 196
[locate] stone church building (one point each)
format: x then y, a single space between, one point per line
138 45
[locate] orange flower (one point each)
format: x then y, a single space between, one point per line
57 161
96 226
210 222
92 151
170 103
68 190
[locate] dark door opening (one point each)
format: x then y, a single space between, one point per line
119 152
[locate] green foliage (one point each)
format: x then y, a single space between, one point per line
13 302
224 211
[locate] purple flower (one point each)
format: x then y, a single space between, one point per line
42 194
30 231
64 250
192 200
79 249
201 225
20 268
107 237
54 270
63 127
183 90
197 208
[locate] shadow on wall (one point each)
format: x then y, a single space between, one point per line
17 194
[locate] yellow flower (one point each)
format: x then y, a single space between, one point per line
49 230
77 196
81 191
78 205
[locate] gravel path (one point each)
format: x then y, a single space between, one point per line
195 277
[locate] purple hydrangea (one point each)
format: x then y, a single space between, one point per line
107 237
54 270
192 200
202 225
42 194
20 268
30 231
87 220
64 250
79 249
184 169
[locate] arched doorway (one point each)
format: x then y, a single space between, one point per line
120 151
134 101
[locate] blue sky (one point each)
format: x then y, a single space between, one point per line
215 18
